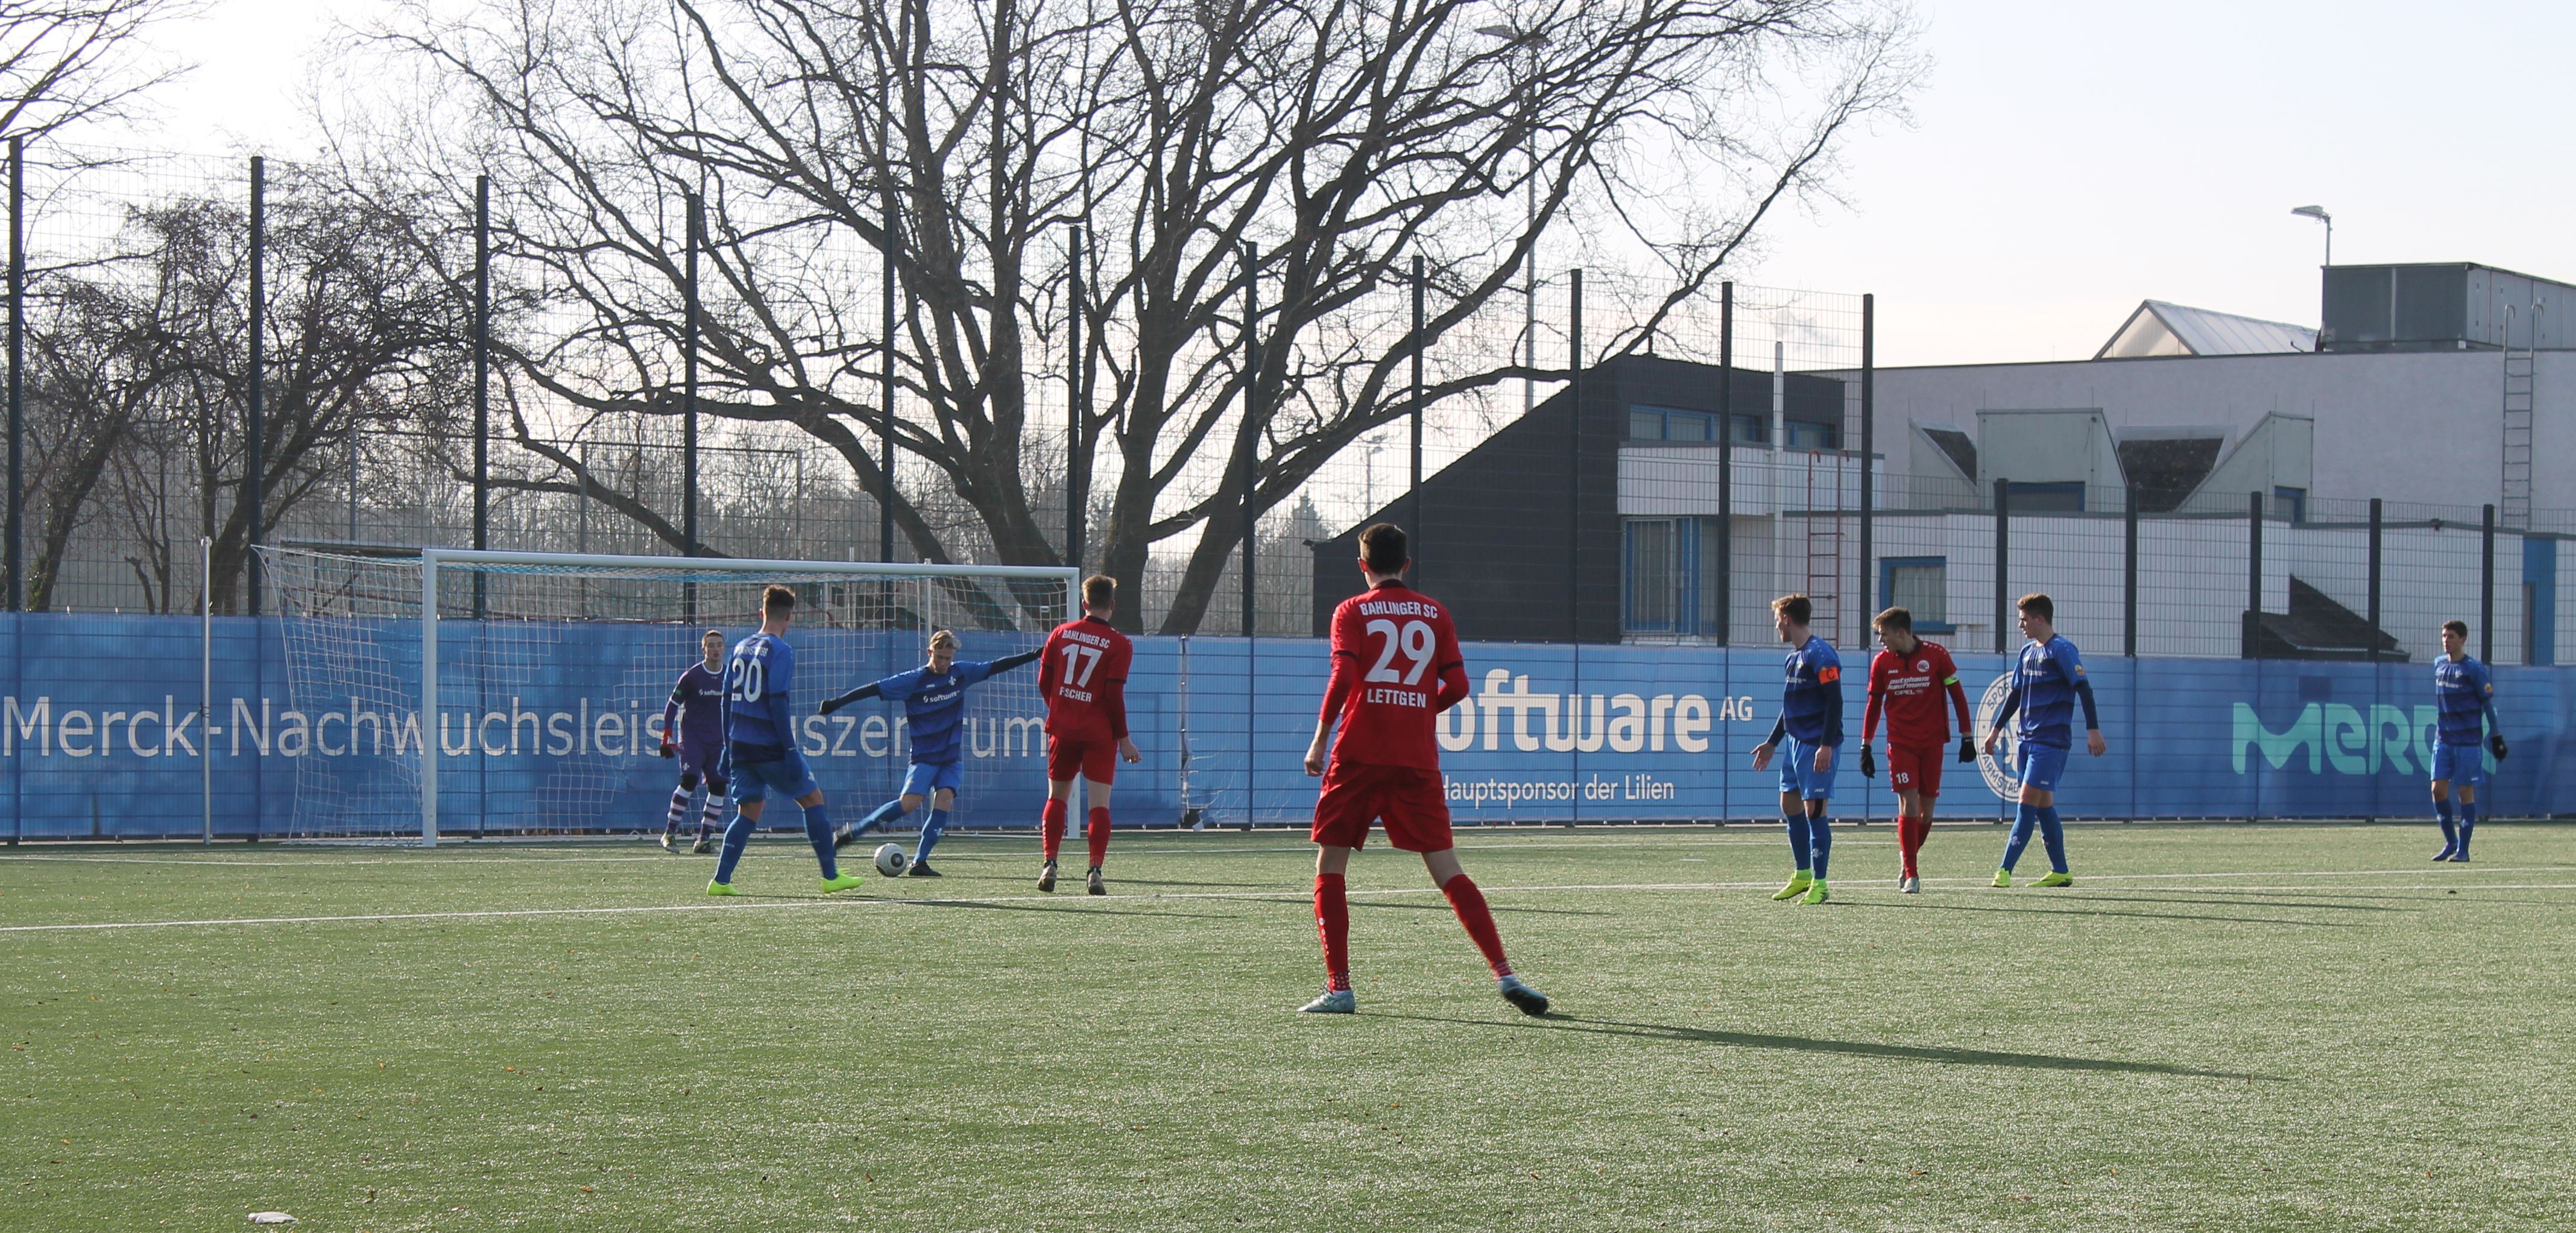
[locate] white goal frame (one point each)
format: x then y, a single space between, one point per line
710 568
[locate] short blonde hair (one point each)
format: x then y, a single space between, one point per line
942 637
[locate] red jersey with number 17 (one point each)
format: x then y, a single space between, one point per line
1082 674
1396 666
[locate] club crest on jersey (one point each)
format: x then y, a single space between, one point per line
1922 665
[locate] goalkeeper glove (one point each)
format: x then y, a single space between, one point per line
1868 764
669 752
1967 748
829 705
2495 745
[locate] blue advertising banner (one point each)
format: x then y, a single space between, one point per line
556 727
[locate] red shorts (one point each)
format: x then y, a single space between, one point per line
1096 761
1916 768
1412 802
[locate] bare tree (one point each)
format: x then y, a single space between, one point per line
64 61
1253 170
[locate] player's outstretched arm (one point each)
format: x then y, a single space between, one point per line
1008 662
862 693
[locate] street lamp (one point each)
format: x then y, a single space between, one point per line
2319 213
1529 285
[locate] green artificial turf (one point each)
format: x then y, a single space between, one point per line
2217 1028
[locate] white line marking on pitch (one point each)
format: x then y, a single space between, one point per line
1281 896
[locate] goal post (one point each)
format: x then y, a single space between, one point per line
523 691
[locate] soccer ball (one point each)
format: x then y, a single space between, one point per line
891 860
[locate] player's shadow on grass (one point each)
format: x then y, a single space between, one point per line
1852 1048
1082 906
2258 899
1497 909
2195 917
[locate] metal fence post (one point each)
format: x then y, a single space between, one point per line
2376 528
2253 623
2129 576
254 481
1249 448
2003 563
1075 473
1574 471
691 323
16 597
1725 599
2486 584
1868 580
885 311
1413 482
482 377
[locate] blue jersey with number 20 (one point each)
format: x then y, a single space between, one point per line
757 678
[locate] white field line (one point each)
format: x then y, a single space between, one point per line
798 843
1283 895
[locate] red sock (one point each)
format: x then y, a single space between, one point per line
1333 925
1051 827
1098 834
1906 840
1469 904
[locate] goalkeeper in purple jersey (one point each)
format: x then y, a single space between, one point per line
697 707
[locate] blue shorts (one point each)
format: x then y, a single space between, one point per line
2038 766
924 778
753 780
2465 765
1798 773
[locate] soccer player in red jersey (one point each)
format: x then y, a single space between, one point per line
1082 674
1906 681
1396 666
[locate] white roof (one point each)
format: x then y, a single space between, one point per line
2159 328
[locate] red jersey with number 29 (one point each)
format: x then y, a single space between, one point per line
1082 674
1396 666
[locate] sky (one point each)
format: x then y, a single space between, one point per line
2065 161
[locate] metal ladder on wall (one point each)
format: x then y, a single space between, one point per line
1825 544
2519 368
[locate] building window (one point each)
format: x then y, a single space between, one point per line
1712 576
1660 560
1667 424
2290 503
1919 585
1809 435
2028 498
1752 430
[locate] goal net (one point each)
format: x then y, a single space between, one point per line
548 676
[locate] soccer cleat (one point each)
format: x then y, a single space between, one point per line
2054 878
841 883
2003 877
1530 1001
703 846
920 870
1046 876
1911 885
2460 857
1815 893
2448 850
1091 884
666 842
721 888
1344 1002
847 834
1797 886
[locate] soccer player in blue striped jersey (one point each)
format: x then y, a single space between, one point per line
2047 682
1811 724
934 712
2464 710
761 748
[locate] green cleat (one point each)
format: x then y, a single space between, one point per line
2003 877
1797 886
841 883
2053 878
1815 893
721 888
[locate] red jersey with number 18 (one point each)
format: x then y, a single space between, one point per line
1396 666
1082 674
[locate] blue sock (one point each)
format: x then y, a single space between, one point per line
2025 820
818 831
2450 829
881 815
2052 833
1820 843
2468 822
737 837
1798 839
930 833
